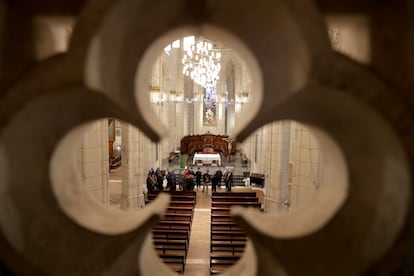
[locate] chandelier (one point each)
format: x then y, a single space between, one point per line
201 62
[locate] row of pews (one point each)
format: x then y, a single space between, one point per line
171 236
227 240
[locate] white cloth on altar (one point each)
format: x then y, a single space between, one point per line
207 158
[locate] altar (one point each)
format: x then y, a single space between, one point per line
192 144
207 158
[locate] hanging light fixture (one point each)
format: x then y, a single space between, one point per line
201 61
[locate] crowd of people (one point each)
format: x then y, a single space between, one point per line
190 180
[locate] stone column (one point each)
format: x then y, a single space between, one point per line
273 158
272 168
307 166
131 193
94 160
284 165
170 140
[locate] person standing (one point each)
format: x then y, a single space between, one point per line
186 177
219 175
150 182
214 182
229 180
160 179
206 180
191 171
171 178
198 178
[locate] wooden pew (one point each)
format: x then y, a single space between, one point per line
171 234
236 194
171 246
184 193
220 262
178 217
221 217
176 261
234 199
226 246
182 203
174 197
177 225
225 210
223 226
220 210
180 210
227 241
177 203
228 236
230 204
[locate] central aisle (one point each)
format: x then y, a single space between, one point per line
198 258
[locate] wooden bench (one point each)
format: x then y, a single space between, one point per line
228 236
171 245
175 197
227 240
225 210
182 203
234 199
178 217
236 194
220 217
220 210
177 203
230 204
223 226
219 262
178 225
180 210
172 193
226 246
171 234
174 259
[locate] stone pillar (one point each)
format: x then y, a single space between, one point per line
179 117
171 119
285 145
290 144
94 160
198 115
156 75
306 156
272 168
131 193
